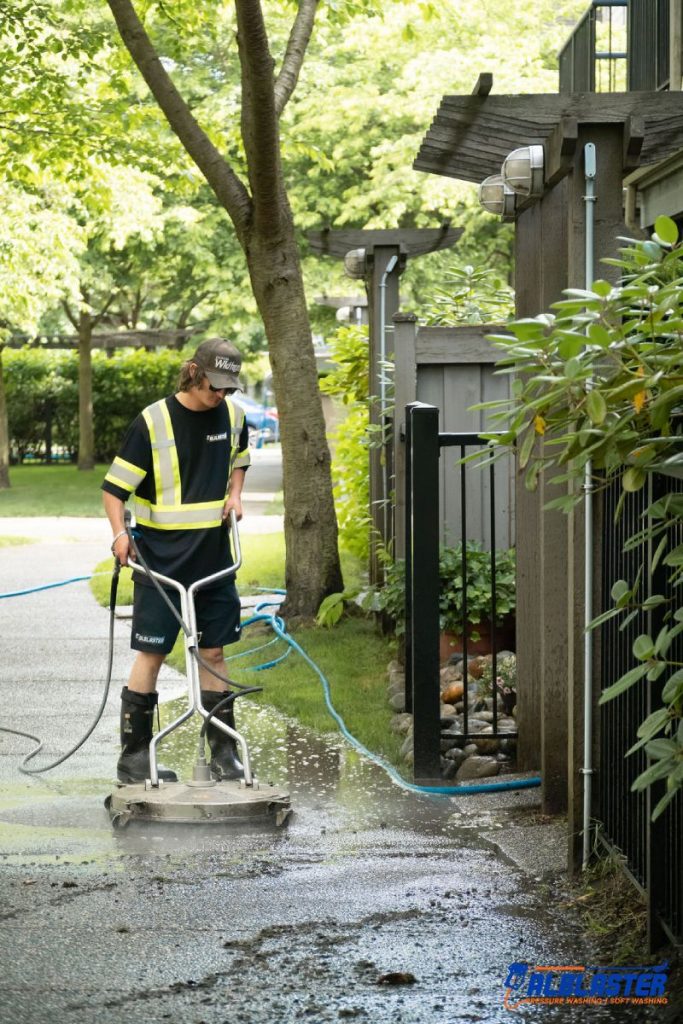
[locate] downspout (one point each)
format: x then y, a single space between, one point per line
383 390
590 170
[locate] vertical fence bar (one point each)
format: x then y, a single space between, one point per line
423 462
494 602
408 549
463 542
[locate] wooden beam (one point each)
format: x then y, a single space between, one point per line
560 149
634 136
484 84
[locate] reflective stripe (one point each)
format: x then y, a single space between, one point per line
169 512
125 474
164 453
183 517
239 459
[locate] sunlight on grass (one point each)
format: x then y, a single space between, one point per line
13 542
53 491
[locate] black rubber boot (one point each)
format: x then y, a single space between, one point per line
225 764
137 715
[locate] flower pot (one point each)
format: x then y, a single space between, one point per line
451 643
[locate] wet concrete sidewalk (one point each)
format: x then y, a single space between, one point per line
368 882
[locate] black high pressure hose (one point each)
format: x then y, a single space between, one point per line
226 702
105 695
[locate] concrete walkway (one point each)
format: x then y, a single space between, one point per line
368 882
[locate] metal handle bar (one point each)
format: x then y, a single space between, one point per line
188 616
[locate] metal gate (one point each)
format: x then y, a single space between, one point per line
423 445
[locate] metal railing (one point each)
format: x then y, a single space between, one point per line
648 45
652 851
423 443
591 60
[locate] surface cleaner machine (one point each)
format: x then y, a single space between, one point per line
201 799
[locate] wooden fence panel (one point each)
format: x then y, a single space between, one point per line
453 369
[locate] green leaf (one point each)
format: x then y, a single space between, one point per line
633 479
658 750
656 771
599 335
624 683
667 230
602 288
620 592
665 801
643 647
596 407
673 689
527 446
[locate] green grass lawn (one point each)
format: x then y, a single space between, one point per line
12 542
53 491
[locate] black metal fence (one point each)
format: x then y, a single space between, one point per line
585 66
648 45
423 448
653 851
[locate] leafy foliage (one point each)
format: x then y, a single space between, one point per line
348 382
391 597
473 295
599 386
40 383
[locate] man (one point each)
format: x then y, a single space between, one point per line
184 459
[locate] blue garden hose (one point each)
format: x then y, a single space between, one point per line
279 628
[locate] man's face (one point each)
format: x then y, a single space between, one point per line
207 398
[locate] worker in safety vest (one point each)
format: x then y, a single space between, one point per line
183 460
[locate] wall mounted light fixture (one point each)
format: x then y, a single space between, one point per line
497 197
522 170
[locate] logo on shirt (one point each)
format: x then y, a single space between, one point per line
217 437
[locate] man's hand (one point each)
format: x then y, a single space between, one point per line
232 502
121 548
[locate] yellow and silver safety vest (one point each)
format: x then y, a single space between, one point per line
169 512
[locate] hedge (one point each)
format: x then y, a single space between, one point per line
42 396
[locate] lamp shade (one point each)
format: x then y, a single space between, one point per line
522 170
496 197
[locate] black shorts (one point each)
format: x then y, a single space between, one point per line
155 628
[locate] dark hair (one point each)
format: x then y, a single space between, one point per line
188 380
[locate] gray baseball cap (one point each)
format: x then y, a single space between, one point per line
220 361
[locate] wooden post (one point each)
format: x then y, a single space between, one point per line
405 392
675 45
383 303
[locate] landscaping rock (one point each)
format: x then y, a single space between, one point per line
470 749
401 722
455 754
447 710
398 702
448 675
485 746
447 743
477 768
448 770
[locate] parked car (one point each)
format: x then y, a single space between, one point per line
262 420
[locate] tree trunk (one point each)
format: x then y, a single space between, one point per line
4 434
312 569
86 436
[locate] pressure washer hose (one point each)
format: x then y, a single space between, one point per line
279 628
107 683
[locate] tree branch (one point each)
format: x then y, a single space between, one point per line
260 133
70 315
227 186
299 37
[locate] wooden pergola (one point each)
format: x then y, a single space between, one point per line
469 139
